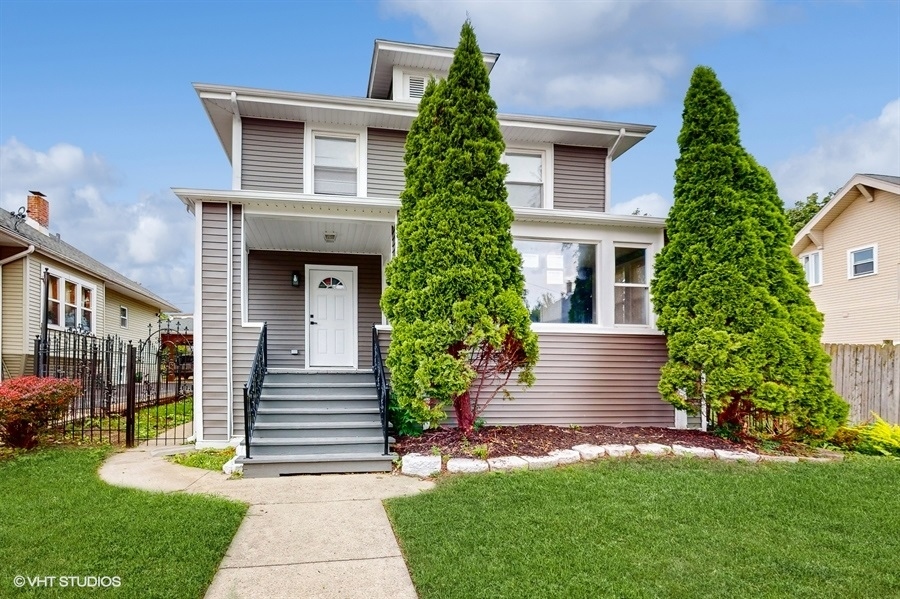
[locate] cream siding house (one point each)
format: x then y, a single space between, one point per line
301 238
851 253
84 293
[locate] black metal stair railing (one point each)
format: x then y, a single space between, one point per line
253 386
381 385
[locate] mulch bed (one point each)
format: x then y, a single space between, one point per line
538 440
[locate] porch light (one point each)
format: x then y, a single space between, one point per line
330 237
295 278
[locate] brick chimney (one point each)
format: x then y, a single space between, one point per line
38 212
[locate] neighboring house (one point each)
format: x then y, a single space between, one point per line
85 294
301 238
850 251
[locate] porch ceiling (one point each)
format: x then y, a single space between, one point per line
308 234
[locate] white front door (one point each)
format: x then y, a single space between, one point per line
331 317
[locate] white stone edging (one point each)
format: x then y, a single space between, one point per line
424 466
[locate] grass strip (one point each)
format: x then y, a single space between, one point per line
59 519
658 528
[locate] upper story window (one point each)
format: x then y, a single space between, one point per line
862 261
335 163
70 304
525 181
812 266
632 293
123 316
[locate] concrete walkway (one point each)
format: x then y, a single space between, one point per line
319 537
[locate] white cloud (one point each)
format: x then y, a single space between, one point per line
651 204
583 54
871 146
148 239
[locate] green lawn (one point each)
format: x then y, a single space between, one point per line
659 528
58 519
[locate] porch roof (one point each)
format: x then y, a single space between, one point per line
385 209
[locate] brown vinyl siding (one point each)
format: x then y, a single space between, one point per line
271 155
243 339
273 300
588 379
214 293
579 178
385 163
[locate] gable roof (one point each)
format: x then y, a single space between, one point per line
857 187
60 250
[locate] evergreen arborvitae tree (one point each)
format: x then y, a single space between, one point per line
742 332
454 296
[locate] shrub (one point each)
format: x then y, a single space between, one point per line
404 420
742 332
455 288
29 404
874 438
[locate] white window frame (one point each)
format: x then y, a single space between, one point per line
569 327
804 259
123 317
355 133
400 82
648 275
851 251
546 153
80 284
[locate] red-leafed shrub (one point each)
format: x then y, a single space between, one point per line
28 404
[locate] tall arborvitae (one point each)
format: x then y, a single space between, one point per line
743 334
454 295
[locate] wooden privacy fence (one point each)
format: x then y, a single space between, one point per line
868 378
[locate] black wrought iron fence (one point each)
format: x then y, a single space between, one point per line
132 393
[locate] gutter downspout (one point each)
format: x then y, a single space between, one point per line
15 257
612 150
607 175
3 263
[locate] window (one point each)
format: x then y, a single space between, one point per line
861 262
331 283
123 316
812 266
525 181
334 165
70 304
631 291
559 280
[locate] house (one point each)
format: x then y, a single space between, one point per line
301 237
850 251
84 294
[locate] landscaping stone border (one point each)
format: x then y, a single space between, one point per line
414 464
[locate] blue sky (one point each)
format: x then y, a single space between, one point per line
97 109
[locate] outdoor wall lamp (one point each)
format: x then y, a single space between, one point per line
295 278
